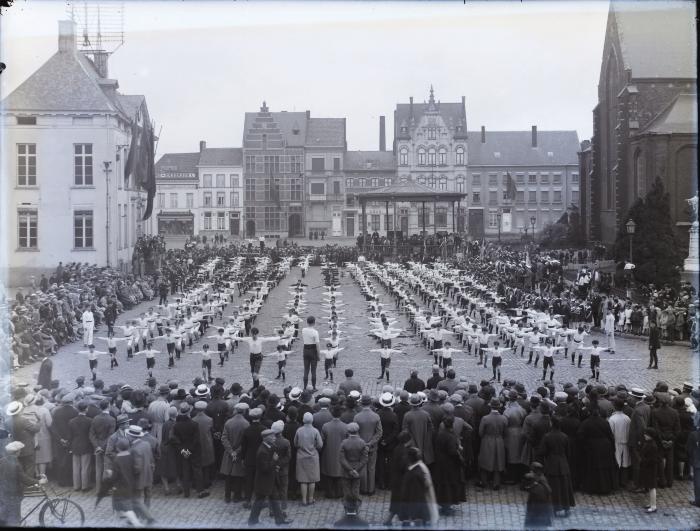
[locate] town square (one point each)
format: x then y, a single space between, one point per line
458 326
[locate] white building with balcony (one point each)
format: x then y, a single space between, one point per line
66 136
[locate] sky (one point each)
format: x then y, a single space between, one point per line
203 64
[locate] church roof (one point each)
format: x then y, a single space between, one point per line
680 117
514 148
657 39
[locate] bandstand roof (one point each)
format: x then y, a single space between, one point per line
410 191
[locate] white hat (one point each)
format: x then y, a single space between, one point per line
354 394
277 426
202 390
14 408
135 431
295 393
14 446
423 397
200 404
387 400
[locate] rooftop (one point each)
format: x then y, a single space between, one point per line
514 148
177 163
680 116
369 161
221 157
325 132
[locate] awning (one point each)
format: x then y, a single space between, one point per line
176 215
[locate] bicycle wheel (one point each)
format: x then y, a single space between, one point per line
61 512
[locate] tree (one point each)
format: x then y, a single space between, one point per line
657 253
553 236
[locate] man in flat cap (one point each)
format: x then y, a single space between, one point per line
13 480
264 487
354 456
232 461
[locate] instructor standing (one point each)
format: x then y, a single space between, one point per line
312 350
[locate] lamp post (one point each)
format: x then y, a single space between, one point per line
631 228
499 213
533 219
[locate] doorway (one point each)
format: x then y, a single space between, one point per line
404 226
350 226
250 228
294 225
235 225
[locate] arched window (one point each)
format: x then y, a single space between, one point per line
459 156
362 182
431 181
421 156
403 156
443 183
431 157
460 183
442 157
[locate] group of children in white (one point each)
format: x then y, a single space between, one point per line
183 323
455 306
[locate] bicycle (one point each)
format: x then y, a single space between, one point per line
55 510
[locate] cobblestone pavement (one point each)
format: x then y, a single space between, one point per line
485 509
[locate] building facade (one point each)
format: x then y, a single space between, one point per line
430 145
648 74
219 177
67 133
324 151
366 171
517 177
273 173
177 203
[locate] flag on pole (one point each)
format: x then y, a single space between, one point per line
511 188
140 161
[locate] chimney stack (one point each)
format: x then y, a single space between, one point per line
534 136
411 100
483 134
202 145
100 61
66 36
308 115
382 134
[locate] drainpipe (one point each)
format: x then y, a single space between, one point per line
107 170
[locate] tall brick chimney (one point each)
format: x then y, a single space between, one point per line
66 36
411 100
382 134
202 145
483 134
534 136
100 58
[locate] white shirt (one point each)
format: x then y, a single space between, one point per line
310 336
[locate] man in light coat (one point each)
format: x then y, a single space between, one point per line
158 413
620 426
419 425
371 432
88 322
609 329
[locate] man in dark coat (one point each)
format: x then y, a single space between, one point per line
390 429
554 450
354 454
264 485
333 433
80 447
62 465
219 412
402 407
597 444
640 419
101 427
417 494
45 371
232 461
23 425
185 440
435 379
283 448
666 421
449 477
13 480
399 466
538 513
654 345
419 425
414 384
250 443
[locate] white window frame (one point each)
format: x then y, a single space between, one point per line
84 161
28 217
25 157
80 222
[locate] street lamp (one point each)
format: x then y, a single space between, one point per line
499 213
631 227
533 219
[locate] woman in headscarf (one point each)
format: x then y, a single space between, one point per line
418 495
308 442
599 471
555 450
